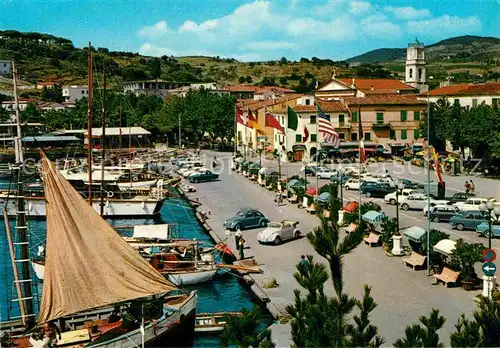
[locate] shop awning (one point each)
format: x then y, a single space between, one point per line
415 233
351 206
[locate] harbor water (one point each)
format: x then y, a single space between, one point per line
227 292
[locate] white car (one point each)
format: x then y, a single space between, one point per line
195 171
415 201
353 170
326 173
391 197
278 232
435 203
472 203
352 184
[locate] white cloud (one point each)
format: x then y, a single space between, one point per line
149 49
444 25
359 7
268 45
379 26
154 31
407 12
192 26
341 28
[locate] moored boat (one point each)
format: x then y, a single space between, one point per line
212 322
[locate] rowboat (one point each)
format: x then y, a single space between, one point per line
212 322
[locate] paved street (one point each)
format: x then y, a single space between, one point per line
401 293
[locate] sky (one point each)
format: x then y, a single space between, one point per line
252 30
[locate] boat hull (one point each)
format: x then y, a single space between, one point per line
191 278
113 208
176 330
136 184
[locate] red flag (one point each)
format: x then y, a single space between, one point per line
271 121
362 154
239 116
306 134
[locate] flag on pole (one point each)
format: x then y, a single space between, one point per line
362 154
272 122
306 134
293 119
239 116
436 164
326 128
253 121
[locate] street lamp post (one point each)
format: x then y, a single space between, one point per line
491 213
397 238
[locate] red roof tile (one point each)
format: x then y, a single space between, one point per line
377 84
242 88
492 88
385 99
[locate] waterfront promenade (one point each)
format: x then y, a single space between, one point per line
402 294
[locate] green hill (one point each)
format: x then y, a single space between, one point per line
468 47
44 57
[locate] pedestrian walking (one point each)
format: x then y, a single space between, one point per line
472 187
241 247
237 237
467 187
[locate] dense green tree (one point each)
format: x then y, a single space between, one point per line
31 114
242 79
155 67
243 331
52 94
4 115
248 79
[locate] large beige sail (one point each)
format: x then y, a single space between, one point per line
88 265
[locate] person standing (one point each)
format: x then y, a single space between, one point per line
472 187
467 187
303 261
237 237
241 248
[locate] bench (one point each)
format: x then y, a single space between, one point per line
311 209
326 214
270 187
293 199
372 240
447 276
415 260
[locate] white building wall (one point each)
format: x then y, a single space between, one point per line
75 92
467 100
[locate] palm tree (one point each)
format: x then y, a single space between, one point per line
243 331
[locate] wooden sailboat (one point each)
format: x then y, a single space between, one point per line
212 322
90 266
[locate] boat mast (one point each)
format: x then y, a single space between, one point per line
103 122
21 228
89 117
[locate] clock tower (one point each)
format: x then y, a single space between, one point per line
415 66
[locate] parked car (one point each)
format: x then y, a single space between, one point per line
309 170
410 185
435 202
415 201
483 229
278 232
391 197
337 179
459 197
325 173
442 212
472 203
467 220
206 175
246 218
353 169
352 184
376 189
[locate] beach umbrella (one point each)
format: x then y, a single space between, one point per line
415 234
254 165
444 246
294 183
372 216
311 191
324 197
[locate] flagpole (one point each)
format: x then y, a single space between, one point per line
361 138
317 156
235 147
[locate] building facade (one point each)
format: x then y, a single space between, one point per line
5 67
467 95
74 92
415 71
159 88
